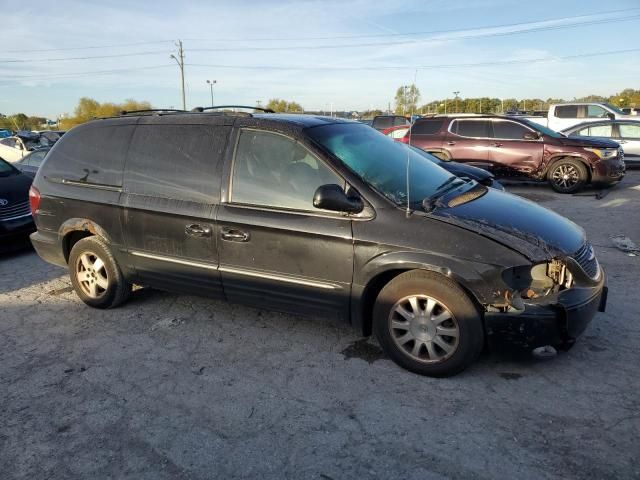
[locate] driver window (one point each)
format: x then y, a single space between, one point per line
275 171
595 111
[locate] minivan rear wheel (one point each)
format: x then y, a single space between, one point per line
427 324
567 175
95 274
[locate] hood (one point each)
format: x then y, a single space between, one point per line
588 142
14 188
537 233
462 170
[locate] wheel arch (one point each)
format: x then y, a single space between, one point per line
571 156
75 229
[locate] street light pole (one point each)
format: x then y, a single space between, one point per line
211 82
180 61
456 98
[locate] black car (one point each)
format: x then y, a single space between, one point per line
29 164
313 215
16 222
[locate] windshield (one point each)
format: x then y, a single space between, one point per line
6 169
381 162
615 109
542 129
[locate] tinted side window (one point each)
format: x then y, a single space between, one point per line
397 121
509 130
566 111
472 128
273 170
381 123
628 130
8 142
92 154
427 127
176 161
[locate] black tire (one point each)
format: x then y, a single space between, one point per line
447 294
567 175
85 280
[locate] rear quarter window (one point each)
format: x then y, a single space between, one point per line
176 161
471 128
427 127
92 154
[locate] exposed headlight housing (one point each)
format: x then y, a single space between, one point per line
538 280
603 153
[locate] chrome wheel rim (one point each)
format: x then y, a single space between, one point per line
92 275
565 176
424 328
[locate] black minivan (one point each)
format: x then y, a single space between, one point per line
318 216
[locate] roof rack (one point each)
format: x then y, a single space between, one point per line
150 110
218 107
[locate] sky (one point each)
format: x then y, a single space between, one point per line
330 54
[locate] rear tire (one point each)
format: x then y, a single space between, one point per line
427 324
567 175
95 274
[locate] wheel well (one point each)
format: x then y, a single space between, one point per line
569 157
70 239
378 282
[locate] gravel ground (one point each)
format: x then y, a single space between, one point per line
173 386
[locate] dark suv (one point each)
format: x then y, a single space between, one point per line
318 216
515 147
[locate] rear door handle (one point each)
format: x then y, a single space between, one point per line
196 230
451 143
234 235
496 144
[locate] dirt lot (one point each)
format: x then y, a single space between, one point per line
173 386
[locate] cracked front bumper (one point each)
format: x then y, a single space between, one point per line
538 325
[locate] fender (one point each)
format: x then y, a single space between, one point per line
386 266
559 156
82 225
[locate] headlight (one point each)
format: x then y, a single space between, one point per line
539 280
604 153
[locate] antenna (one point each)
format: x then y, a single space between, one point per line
415 77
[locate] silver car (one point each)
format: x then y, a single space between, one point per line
625 132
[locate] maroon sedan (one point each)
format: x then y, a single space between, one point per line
517 148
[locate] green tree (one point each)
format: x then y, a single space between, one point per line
88 108
406 99
281 106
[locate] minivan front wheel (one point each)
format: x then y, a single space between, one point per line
567 176
427 324
95 275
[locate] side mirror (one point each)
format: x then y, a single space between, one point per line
334 198
611 116
531 135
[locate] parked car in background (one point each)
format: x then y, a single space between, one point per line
16 222
382 122
30 163
624 132
396 132
318 216
14 148
5 133
564 115
518 148
631 111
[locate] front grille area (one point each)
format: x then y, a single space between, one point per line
587 260
15 210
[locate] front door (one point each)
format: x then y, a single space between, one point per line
468 141
629 134
510 154
170 195
276 250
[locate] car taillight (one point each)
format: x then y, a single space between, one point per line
405 139
34 199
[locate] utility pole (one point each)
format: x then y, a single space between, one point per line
180 61
211 83
456 97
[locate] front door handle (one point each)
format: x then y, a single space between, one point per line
234 235
196 230
451 143
496 144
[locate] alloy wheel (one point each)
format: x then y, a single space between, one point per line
424 328
92 275
565 176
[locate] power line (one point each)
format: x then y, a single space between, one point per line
135 54
93 47
81 74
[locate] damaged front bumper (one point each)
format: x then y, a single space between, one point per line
558 324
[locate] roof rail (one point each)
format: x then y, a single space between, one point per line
150 110
218 107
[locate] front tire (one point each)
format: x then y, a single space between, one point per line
427 324
567 176
95 274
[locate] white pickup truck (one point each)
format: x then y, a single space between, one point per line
565 115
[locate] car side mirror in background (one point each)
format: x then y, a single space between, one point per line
334 198
611 116
531 136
